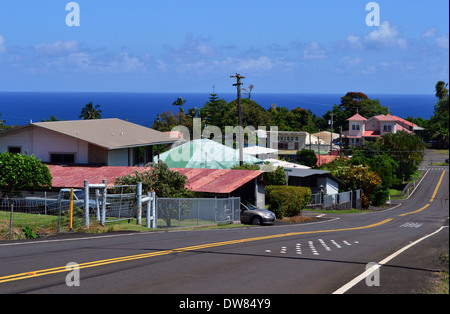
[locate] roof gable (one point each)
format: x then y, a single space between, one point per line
357 117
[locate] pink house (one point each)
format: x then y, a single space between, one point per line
362 129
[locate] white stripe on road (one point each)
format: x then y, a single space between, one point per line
369 271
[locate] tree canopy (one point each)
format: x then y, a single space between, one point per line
20 172
89 112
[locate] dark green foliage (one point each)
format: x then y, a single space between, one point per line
307 157
23 173
29 234
276 177
89 112
166 183
287 201
161 179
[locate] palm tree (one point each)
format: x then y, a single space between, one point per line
180 102
441 89
249 91
90 112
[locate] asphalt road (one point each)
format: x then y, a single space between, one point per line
315 258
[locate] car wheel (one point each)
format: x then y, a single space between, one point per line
256 220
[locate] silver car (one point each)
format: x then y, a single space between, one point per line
251 214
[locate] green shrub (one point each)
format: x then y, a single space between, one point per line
287 201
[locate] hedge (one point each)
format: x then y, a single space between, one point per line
287 201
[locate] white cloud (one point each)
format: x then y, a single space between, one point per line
193 49
310 50
442 42
125 63
82 62
259 64
314 50
58 47
429 32
351 60
354 41
2 44
386 36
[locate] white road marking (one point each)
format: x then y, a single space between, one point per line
313 249
369 271
298 248
324 245
335 244
411 225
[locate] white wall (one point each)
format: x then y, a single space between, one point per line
20 138
41 143
329 186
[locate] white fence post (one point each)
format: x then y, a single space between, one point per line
103 216
154 211
147 222
86 203
139 202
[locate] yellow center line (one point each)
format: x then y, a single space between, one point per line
419 210
437 187
61 269
431 199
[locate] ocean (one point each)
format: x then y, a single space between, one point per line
19 108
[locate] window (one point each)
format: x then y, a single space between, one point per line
355 126
62 158
387 128
14 149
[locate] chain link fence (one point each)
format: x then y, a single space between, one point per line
28 215
188 212
340 201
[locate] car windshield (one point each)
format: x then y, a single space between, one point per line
79 194
248 206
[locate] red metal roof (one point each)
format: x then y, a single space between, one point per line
219 181
357 117
372 133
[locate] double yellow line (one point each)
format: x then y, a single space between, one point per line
61 269
431 199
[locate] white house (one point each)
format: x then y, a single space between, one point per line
111 142
317 180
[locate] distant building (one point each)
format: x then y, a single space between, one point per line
111 142
204 154
362 129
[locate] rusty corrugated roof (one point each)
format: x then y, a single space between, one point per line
219 181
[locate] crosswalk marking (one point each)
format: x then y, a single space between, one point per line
312 247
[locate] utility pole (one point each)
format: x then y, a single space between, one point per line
331 136
238 84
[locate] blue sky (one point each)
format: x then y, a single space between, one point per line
187 46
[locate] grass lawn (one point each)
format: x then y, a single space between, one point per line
49 224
